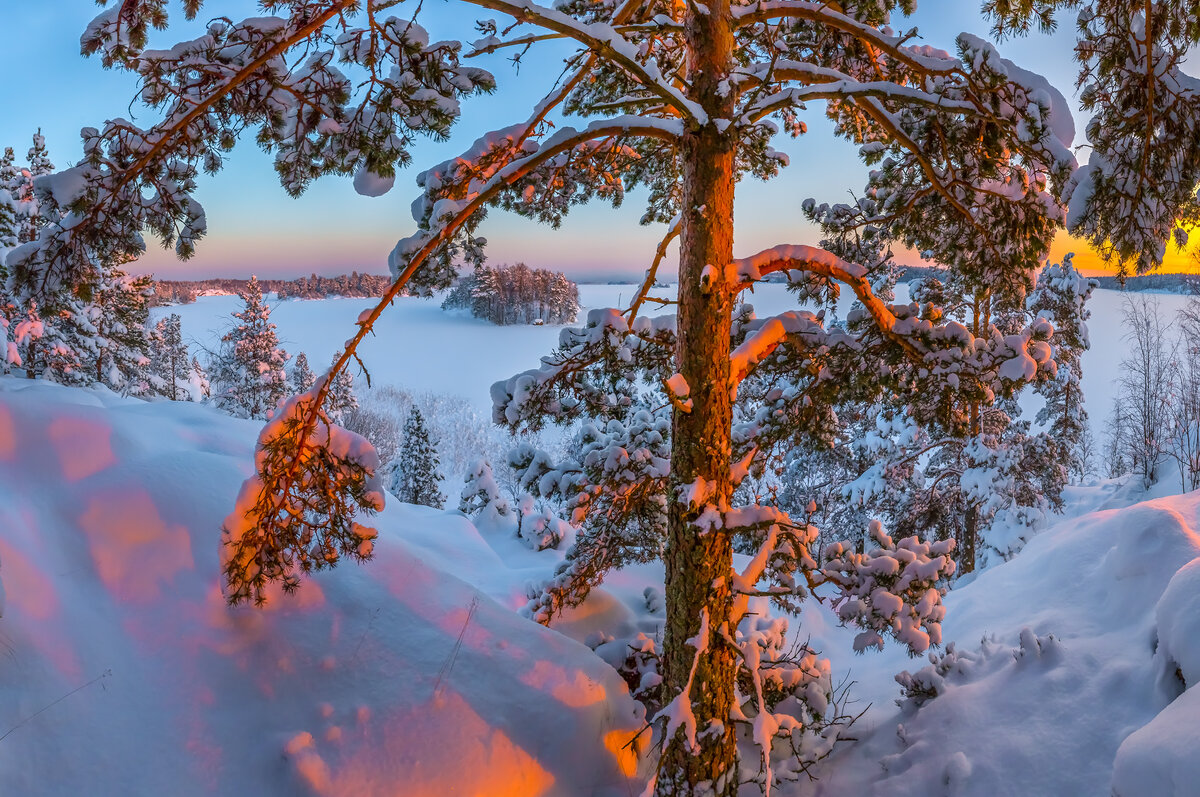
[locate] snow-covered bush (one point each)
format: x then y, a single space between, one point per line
481 496
892 589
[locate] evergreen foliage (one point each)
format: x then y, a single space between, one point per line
169 360
1137 191
342 400
302 377
970 165
516 295
248 376
1061 298
415 476
481 496
332 479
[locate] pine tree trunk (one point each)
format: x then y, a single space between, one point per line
698 566
966 557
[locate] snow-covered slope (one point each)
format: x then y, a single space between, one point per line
1062 654
124 673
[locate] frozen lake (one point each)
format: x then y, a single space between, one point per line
420 347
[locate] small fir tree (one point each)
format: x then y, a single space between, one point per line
481 496
169 361
416 477
120 309
342 400
1061 298
249 378
302 377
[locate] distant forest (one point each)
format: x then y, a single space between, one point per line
310 287
361 285
1157 283
516 295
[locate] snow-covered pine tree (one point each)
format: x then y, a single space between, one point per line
10 228
952 460
39 162
1061 297
169 360
1138 189
199 380
122 352
342 399
416 477
302 377
684 96
248 375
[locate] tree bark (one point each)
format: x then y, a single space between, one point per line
699 564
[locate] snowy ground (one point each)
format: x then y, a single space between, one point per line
397 673
123 672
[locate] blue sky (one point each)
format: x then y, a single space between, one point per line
255 227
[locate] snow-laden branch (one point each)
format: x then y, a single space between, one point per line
926 60
673 230
450 214
850 89
274 489
769 335
607 42
814 260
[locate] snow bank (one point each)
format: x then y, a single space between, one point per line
394 677
1161 759
1054 667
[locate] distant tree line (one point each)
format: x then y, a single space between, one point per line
1159 283
311 287
516 295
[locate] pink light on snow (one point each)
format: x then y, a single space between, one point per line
137 555
83 447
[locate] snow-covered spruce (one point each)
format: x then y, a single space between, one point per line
170 364
247 375
301 378
415 475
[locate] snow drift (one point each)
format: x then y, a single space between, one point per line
1060 655
1074 666
124 672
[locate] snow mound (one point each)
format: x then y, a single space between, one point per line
1178 617
1054 666
1160 760
125 673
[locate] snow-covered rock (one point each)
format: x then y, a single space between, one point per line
1178 619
